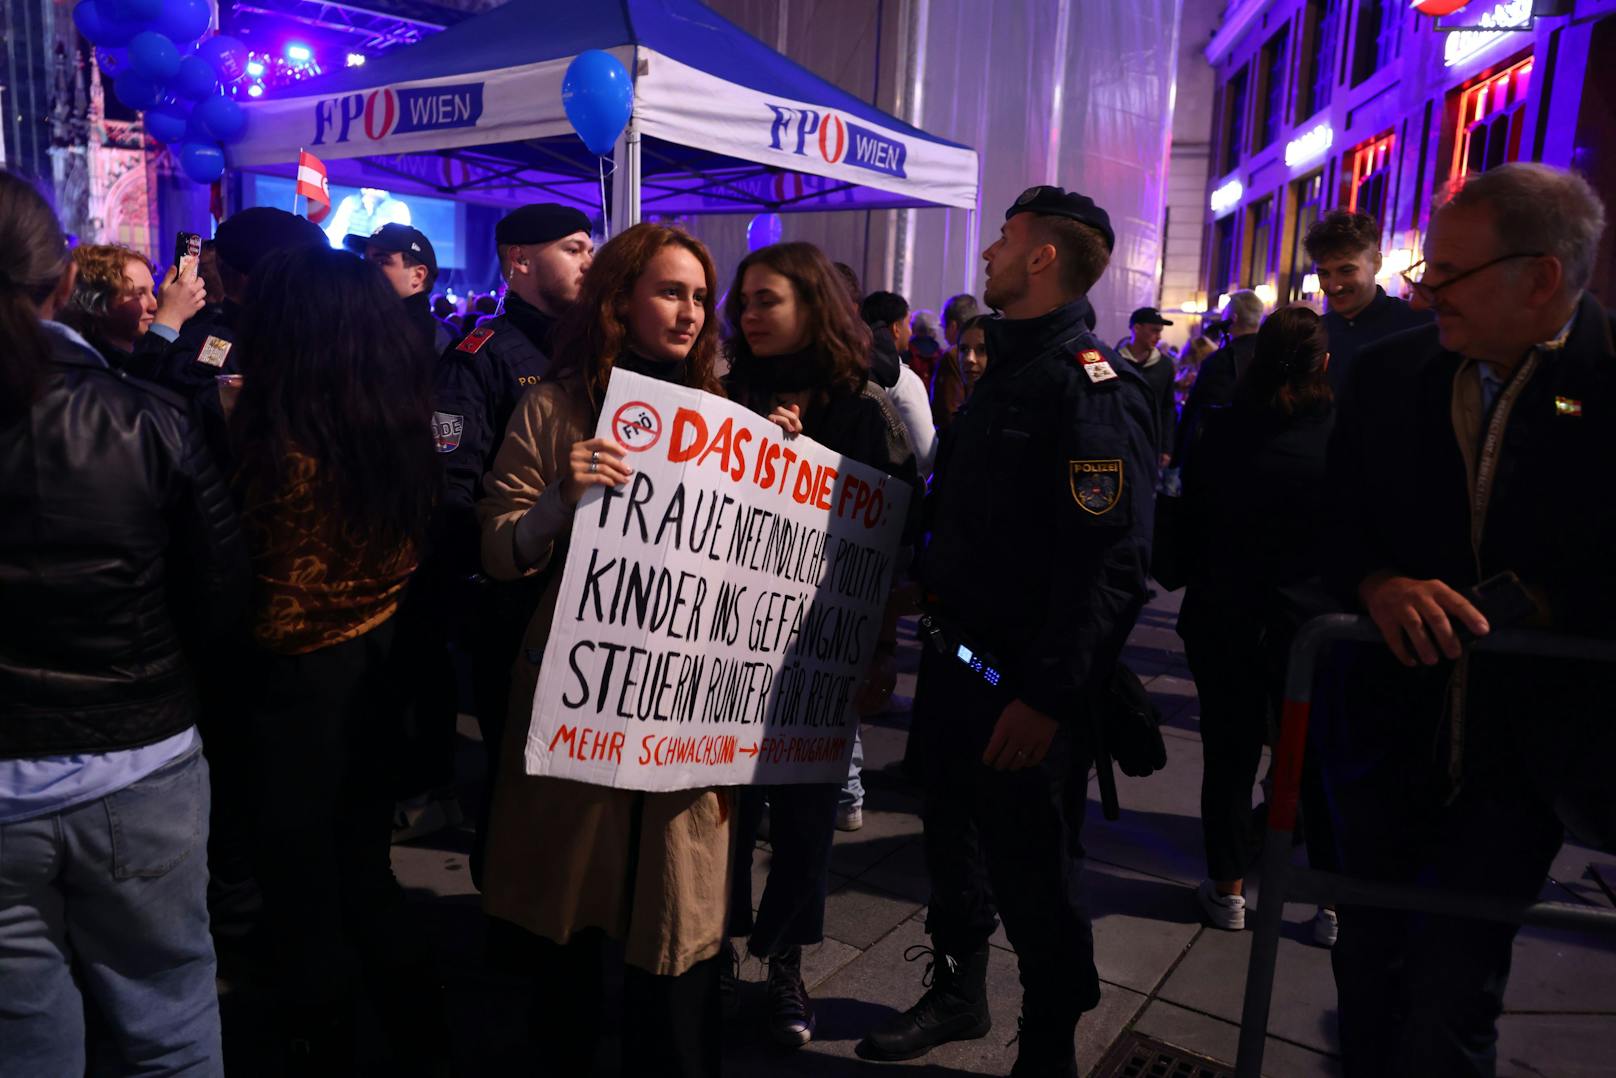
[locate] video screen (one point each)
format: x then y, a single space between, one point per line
361 211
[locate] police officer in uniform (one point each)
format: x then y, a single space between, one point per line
544 251
1039 515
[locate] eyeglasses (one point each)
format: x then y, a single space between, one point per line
1428 292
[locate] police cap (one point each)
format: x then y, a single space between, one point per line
1048 201
245 237
400 238
540 222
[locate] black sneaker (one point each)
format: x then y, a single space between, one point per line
791 1013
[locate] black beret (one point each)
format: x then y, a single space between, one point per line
1050 201
245 237
540 222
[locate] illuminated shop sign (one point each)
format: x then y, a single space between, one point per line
1305 147
1227 197
1492 25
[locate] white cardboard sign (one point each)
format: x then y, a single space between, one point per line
717 612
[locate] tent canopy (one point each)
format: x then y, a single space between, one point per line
721 124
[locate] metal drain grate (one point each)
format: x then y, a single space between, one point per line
1138 1056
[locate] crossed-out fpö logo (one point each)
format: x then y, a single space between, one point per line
835 140
378 113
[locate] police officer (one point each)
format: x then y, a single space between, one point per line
544 251
1039 516
406 258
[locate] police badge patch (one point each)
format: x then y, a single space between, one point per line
1096 485
446 430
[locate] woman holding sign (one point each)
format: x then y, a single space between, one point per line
573 864
799 346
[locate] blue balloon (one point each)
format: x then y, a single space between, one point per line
222 118
226 55
202 161
764 230
195 79
112 62
599 98
101 26
183 21
154 56
139 12
168 122
135 90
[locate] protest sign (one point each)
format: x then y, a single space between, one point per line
718 612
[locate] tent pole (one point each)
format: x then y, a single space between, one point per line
626 179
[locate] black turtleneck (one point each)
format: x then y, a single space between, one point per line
662 370
535 325
803 371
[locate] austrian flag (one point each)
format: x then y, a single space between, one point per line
312 185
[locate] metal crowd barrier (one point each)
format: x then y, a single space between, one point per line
1282 882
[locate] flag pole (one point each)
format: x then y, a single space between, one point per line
295 179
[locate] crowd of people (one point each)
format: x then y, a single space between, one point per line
259 528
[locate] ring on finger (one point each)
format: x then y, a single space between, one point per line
594 456
592 467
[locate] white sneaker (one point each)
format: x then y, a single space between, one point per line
849 817
1227 912
1326 927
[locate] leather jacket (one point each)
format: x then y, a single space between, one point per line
119 547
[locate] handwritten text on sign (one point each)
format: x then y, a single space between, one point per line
717 612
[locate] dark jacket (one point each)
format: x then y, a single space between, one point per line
1041 509
190 365
1253 508
862 426
436 335
1159 371
1214 385
1384 316
1400 501
118 549
476 386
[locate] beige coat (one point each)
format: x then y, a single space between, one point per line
559 857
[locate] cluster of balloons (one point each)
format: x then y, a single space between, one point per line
149 49
598 96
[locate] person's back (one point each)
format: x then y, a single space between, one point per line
1256 483
90 557
116 536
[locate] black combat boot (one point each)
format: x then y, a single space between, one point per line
954 1008
1047 1044
791 1012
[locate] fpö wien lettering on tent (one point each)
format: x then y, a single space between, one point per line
387 111
836 141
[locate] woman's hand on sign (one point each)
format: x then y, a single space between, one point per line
596 462
787 418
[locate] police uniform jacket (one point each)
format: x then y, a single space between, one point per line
1402 494
476 387
1041 508
650 869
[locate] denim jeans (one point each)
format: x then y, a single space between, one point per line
114 892
853 789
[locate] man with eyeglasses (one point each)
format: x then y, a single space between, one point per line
1475 447
1345 249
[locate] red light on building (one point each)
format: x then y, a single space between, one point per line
1367 185
1492 114
1438 8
